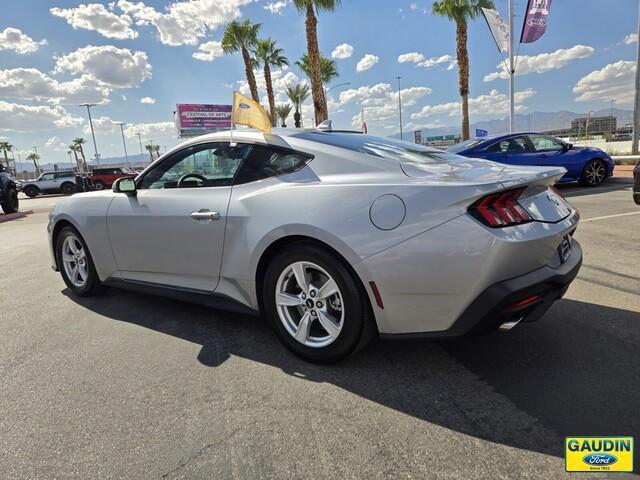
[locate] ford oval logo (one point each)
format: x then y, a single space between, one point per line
245 106
600 459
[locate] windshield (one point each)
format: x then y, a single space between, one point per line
459 147
379 146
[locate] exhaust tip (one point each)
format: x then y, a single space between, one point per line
506 326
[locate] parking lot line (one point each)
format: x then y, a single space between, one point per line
610 216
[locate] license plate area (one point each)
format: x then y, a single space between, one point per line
564 249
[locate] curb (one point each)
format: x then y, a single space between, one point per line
6 217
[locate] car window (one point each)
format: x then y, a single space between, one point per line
47 176
509 145
459 147
263 162
207 165
541 144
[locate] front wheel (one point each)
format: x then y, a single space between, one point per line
68 188
10 203
99 185
30 191
315 304
594 173
75 263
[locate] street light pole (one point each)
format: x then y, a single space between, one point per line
512 87
140 141
124 144
399 106
93 135
636 107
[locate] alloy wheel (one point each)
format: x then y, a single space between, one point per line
74 260
309 304
595 173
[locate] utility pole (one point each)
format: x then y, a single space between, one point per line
93 135
512 110
636 107
400 106
124 143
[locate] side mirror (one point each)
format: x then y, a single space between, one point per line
568 146
124 185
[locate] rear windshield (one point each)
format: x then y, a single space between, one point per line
380 146
463 146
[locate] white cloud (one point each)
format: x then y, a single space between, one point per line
152 131
148 100
631 38
276 7
209 51
493 103
96 17
112 66
32 84
421 61
364 93
14 39
613 82
342 51
29 118
366 62
101 124
55 144
185 22
543 62
413 57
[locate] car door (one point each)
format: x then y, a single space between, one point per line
548 150
172 231
47 182
511 150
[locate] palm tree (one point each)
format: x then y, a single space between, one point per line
75 149
78 142
311 7
156 149
242 37
266 54
151 148
298 94
283 111
461 11
6 147
328 68
34 157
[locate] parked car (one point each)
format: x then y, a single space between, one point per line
333 236
104 177
589 166
50 182
636 183
8 192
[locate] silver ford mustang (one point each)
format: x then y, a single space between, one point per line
334 236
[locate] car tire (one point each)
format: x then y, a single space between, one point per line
337 324
10 202
31 191
594 173
99 184
68 188
86 282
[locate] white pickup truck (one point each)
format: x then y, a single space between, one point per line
50 182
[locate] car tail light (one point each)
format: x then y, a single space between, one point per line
500 209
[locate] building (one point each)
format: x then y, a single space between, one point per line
593 125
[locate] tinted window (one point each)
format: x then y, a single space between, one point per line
263 162
208 165
47 176
541 143
509 145
459 147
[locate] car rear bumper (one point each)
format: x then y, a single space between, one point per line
524 298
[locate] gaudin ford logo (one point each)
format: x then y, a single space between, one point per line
598 454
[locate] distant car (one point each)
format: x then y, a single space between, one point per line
589 166
8 192
50 182
104 177
621 137
636 184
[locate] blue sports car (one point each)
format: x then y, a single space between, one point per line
589 166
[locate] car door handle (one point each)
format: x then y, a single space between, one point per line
204 214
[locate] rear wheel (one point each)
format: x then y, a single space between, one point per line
68 188
31 191
75 263
594 173
10 203
99 184
315 304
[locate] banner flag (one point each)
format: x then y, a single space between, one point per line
247 112
535 21
499 29
481 133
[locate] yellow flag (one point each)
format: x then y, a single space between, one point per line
247 112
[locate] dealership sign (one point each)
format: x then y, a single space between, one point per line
198 119
535 21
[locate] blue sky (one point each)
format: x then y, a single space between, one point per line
56 54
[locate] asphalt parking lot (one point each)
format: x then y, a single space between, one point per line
127 385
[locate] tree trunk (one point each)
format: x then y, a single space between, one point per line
296 119
6 158
317 90
84 160
272 101
248 68
463 73
78 164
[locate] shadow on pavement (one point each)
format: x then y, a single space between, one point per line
575 372
574 189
